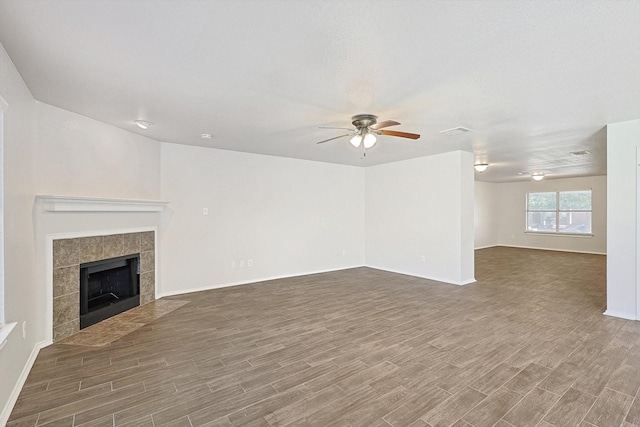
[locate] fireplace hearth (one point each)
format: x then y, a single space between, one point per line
108 287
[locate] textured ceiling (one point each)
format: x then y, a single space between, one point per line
535 80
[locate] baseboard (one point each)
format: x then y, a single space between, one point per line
550 249
249 282
13 397
620 315
445 281
486 247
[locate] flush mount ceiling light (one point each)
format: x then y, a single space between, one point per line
206 136
143 124
481 167
537 176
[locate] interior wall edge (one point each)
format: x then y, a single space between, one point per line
621 315
537 248
250 282
439 279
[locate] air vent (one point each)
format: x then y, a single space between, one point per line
581 153
456 131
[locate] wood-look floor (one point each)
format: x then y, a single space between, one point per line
527 345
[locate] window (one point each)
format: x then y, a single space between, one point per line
559 212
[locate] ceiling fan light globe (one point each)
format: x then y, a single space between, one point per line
369 140
481 167
356 140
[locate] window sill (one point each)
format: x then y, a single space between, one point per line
542 233
5 330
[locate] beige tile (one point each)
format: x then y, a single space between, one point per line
625 379
146 298
530 410
148 283
416 405
528 378
113 245
66 280
454 408
418 335
65 253
494 407
570 409
147 241
609 409
29 421
131 243
561 378
633 416
90 248
147 261
66 308
66 329
495 378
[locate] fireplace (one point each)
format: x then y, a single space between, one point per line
108 287
71 254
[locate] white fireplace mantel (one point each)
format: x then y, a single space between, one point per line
94 204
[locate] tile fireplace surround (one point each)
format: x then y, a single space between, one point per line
68 254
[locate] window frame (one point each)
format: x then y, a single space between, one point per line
4 106
558 211
5 328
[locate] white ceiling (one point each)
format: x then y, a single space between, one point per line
535 80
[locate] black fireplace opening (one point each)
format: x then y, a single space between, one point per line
108 287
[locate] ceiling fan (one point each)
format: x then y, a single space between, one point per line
366 129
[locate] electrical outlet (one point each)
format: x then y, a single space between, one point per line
205 211
250 263
24 330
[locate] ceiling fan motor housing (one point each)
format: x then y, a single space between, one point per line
364 120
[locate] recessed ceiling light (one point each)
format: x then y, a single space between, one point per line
455 131
143 124
206 136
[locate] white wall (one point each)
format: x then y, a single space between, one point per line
52 151
422 208
505 204
78 156
485 212
20 284
623 290
288 216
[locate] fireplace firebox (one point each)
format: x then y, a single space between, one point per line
108 287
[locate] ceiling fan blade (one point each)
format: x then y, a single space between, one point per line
400 134
331 139
329 127
384 124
